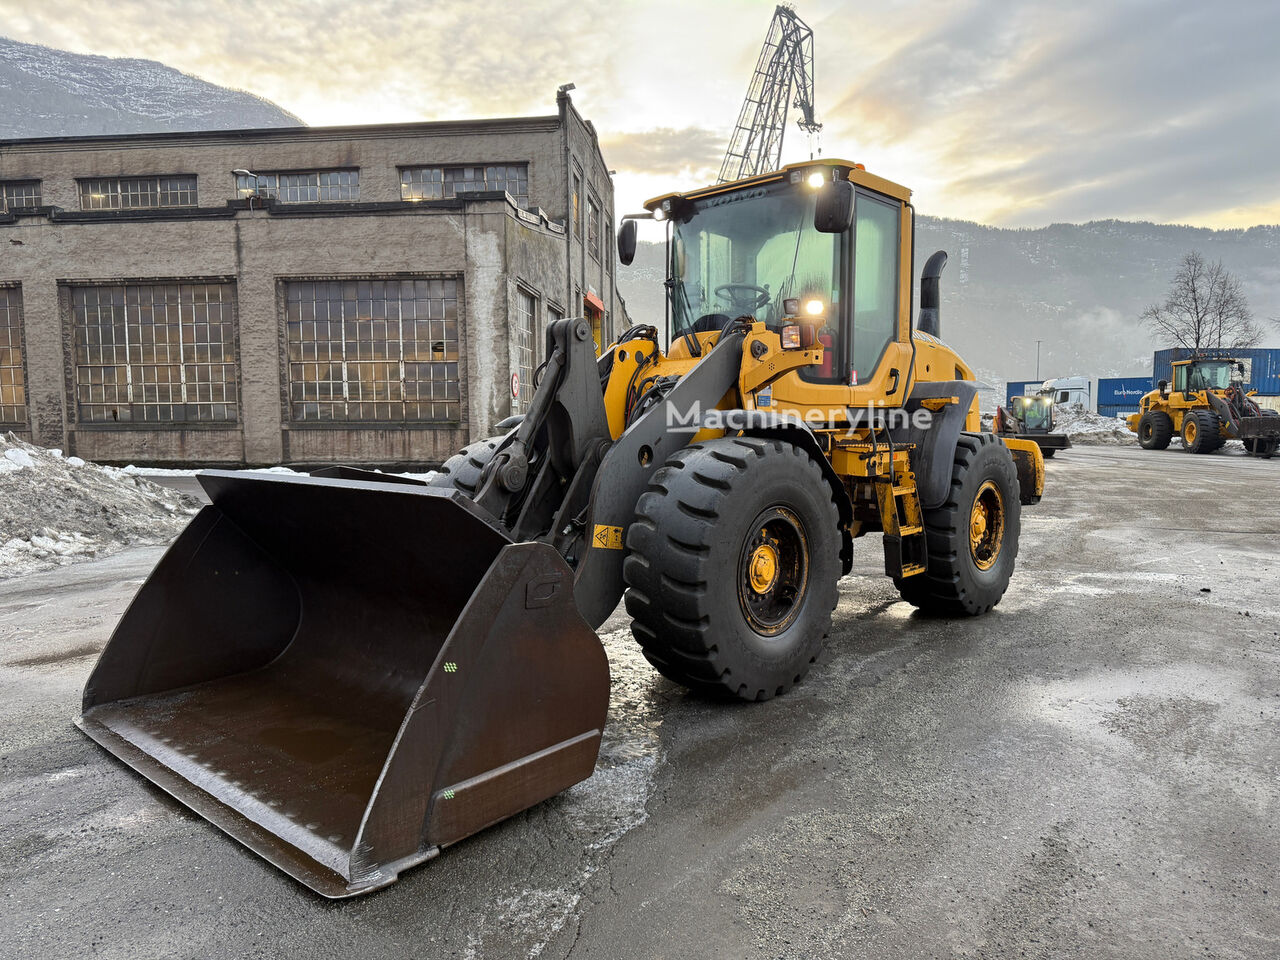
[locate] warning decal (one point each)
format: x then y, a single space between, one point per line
607 538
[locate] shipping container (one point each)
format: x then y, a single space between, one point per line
1020 388
1120 395
1261 366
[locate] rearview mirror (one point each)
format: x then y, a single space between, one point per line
833 212
627 242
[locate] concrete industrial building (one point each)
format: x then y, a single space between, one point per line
356 294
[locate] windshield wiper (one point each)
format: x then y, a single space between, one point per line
686 312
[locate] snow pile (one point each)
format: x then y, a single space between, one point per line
56 509
1085 426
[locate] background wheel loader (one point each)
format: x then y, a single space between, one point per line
1031 418
347 703
1206 406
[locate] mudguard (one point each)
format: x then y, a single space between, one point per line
934 447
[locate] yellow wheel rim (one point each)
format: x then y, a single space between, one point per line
762 568
986 526
1189 431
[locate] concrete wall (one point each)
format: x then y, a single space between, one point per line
492 247
378 152
589 274
258 251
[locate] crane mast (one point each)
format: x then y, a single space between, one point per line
783 77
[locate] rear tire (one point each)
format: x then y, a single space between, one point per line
462 470
1155 430
1048 452
732 567
973 537
1200 431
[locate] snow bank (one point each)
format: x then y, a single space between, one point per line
1086 427
1083 426
56 509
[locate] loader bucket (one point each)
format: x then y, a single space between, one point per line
347 675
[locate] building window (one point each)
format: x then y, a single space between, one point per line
373 350
307 186
593 228
609 247
577 205
20 194
525 332
137 193
13 394
155 353
554 313
446 183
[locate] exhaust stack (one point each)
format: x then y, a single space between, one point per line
928 321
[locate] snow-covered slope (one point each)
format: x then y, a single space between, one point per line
53 93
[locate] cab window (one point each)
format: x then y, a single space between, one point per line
1180 378
875 282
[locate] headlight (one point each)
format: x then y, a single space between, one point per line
816 179
814 308
791 337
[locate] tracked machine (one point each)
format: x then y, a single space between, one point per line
347 702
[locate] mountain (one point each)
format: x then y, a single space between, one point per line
1080 288
53 93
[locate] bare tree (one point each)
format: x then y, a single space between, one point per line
1206 309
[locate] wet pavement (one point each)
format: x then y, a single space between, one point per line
1091 770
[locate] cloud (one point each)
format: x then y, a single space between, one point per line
666 150
1037 113
1015 114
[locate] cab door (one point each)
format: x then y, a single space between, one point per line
878 327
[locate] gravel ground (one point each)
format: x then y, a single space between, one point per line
1091 770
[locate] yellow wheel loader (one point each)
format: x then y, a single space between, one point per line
347 673
1206 405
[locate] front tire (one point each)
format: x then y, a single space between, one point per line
973 537
1155 430
1201 432
732 567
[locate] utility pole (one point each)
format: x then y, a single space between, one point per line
1038 342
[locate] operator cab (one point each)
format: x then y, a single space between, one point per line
1194 376
787 249
1034 413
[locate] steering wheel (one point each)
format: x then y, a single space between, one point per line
743 296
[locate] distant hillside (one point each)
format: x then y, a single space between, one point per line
53 93
1078 287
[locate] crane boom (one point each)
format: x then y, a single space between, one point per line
785 65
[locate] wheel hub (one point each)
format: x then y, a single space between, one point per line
763 567
774 571
986 526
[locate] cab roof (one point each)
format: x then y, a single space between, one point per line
856 173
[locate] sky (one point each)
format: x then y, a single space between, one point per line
1012 114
